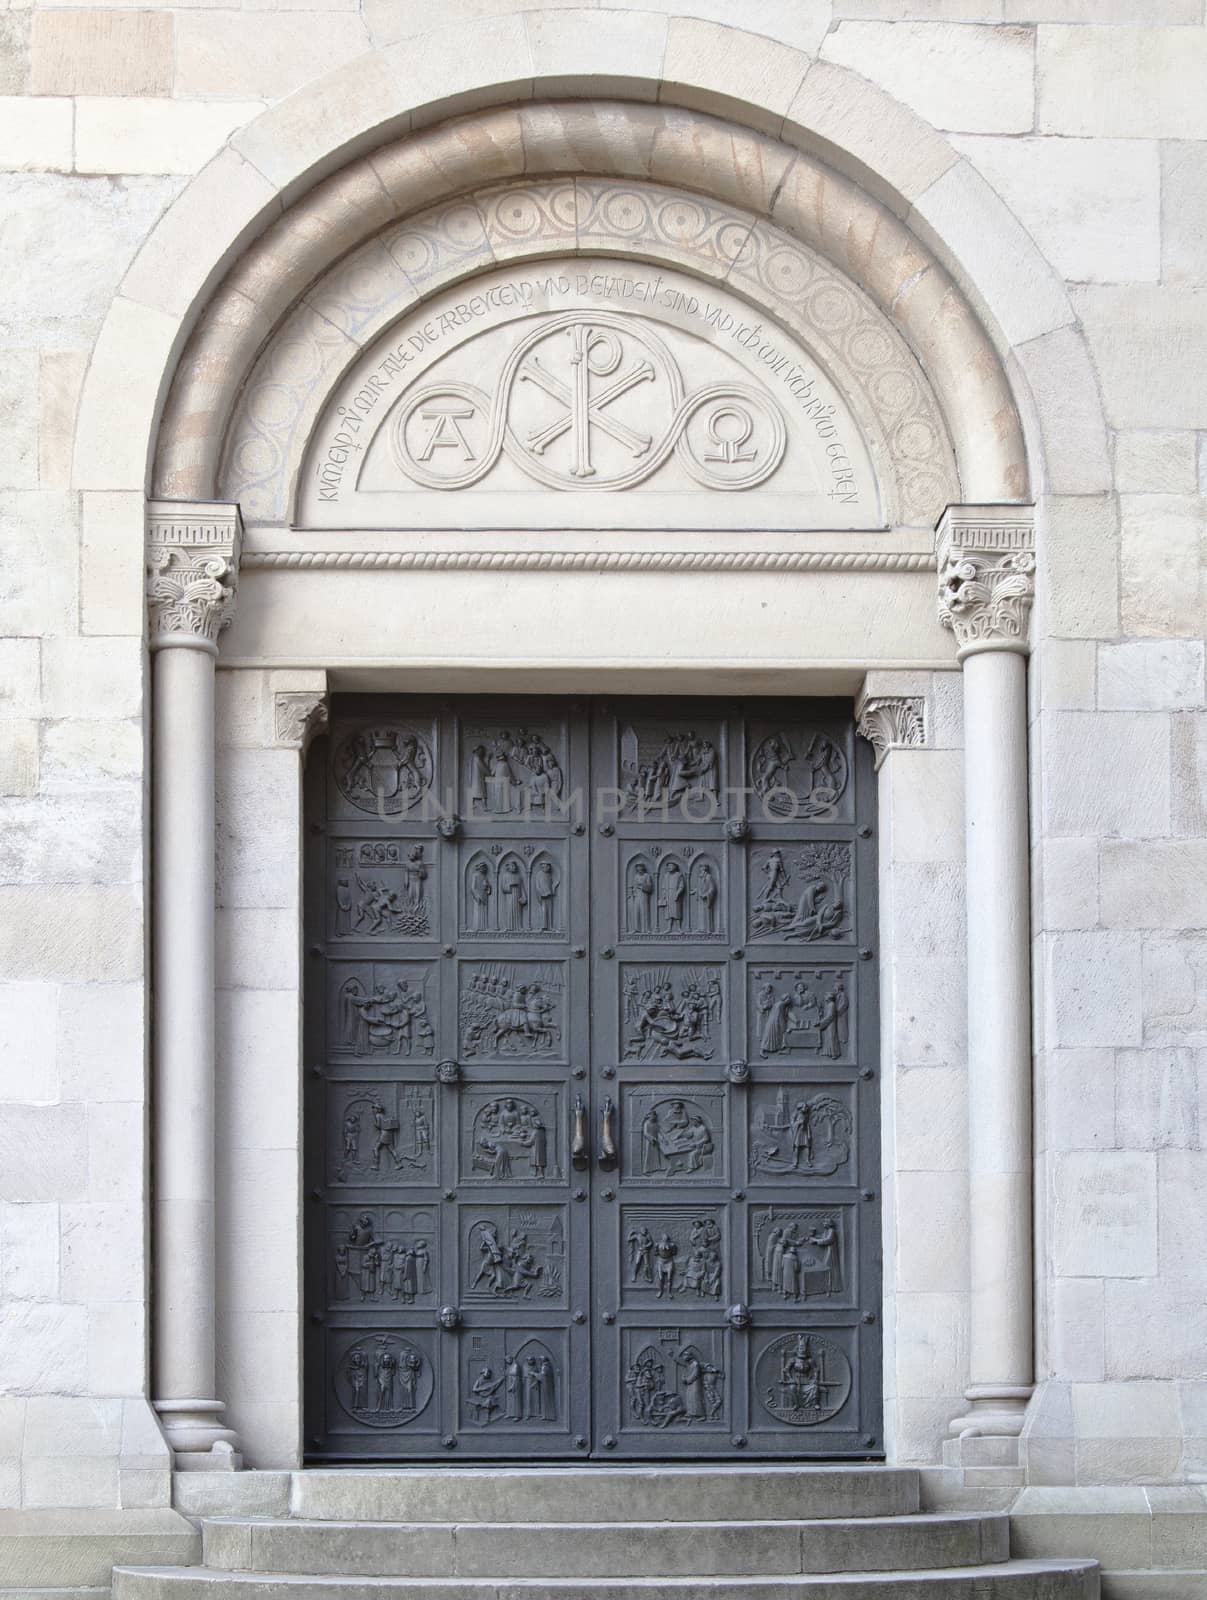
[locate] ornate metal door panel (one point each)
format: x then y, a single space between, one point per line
591 1123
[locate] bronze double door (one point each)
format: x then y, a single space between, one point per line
591 1110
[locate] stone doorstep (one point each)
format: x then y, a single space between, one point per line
58 1549
1016 1580
622 1493
1155 1585
587 1549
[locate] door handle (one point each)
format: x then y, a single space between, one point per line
607 1138
580 1155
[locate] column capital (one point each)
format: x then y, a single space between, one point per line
298 715
193 550
986 561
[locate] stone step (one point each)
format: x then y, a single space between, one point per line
1014 1580
588 1549
614 1494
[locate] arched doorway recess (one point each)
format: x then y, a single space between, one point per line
851 294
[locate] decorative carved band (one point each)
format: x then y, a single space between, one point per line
192 571
593 560
986 563
299 715
893 722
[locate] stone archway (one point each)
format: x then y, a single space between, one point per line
279 286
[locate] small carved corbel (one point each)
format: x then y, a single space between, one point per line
299 714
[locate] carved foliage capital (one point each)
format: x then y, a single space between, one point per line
299 714
986 562
193 553
893 722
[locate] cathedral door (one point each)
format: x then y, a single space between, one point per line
591 1111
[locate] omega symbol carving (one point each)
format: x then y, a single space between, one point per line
562 411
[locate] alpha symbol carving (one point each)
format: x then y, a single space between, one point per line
444 431
596 353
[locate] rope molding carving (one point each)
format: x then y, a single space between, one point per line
591 560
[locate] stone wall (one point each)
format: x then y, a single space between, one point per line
1087 118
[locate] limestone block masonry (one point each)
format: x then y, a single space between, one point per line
577 349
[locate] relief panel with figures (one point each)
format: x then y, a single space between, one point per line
592 1133
382 1009
800 1254
513 889
512 1011
801 772
515 1380
383 889
674 1378
380 1133
513 1254
673 1251
512 1137
514 773
384 1254
800 895
800 1013
672 892
384 769
801 1131
674 1132
672 1012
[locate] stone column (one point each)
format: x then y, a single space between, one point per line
986 586
192 569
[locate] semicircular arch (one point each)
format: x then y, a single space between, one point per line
798 299
766 200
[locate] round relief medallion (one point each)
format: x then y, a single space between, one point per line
383 1381
802 1379
384 770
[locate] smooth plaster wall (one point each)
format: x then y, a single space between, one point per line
1087 117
